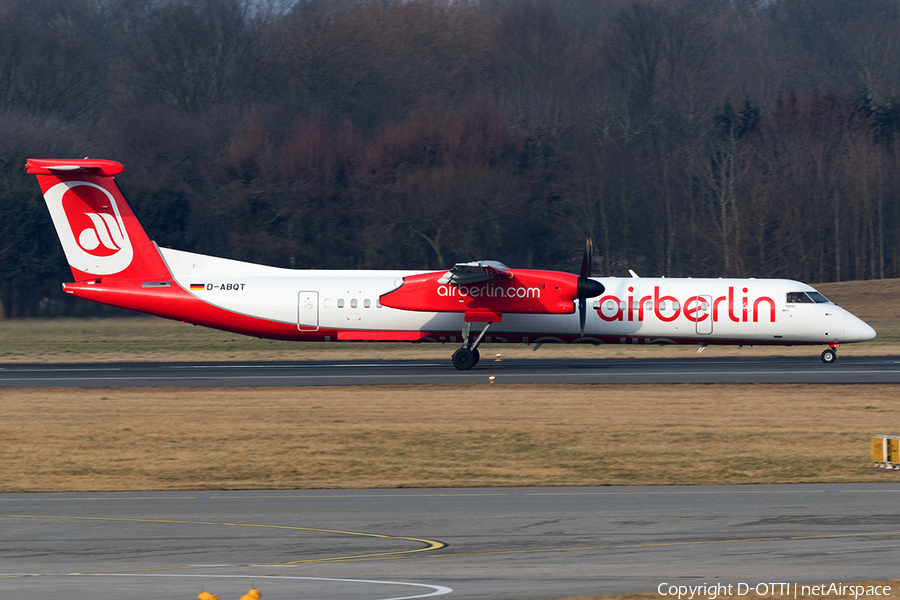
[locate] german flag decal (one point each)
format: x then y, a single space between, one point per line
198 286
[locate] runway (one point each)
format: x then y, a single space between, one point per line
499 543
882 369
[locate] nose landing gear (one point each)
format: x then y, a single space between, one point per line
830 355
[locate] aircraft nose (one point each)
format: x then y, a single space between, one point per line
857 330
867 332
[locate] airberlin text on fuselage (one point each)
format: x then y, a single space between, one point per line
695 309
488 291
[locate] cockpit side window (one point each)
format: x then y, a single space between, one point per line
806 298
818 298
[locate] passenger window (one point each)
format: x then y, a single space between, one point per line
327 303
610 305
353 303
340 303
367 303
675 306
623 305
596 304
662 305
648 306
377 303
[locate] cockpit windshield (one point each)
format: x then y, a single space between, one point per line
798 298
818 298
806 298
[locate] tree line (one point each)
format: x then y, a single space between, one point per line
700 138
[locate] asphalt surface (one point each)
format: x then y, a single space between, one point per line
503 543
469 543
700 369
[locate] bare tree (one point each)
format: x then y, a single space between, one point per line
193 54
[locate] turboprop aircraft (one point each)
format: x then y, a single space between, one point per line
114 261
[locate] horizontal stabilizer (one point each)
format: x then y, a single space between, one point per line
47 166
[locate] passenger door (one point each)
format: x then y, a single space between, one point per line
308 311
703 326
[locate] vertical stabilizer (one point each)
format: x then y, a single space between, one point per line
99 232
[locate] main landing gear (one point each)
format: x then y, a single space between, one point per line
467 357
830 355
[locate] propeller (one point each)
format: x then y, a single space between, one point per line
587 287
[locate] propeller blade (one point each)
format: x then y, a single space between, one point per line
588 258
587 288
582 313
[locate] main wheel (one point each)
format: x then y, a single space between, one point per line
464 359
829 356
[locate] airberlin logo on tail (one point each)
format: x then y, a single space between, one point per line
90 227
104 237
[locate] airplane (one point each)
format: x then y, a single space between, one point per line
114 261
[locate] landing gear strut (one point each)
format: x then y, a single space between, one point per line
467 357
830 355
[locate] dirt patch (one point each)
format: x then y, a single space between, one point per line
434 436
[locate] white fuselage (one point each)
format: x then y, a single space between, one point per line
631 310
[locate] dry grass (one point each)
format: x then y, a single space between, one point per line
153 339
429 436
893 584
871 301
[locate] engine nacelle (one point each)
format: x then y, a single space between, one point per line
527 291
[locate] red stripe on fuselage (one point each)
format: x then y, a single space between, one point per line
173 302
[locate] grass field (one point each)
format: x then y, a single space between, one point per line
154 339
437 436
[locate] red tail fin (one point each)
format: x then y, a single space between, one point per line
100 234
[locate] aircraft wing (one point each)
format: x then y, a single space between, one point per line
475 272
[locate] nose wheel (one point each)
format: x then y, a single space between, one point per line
829 356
